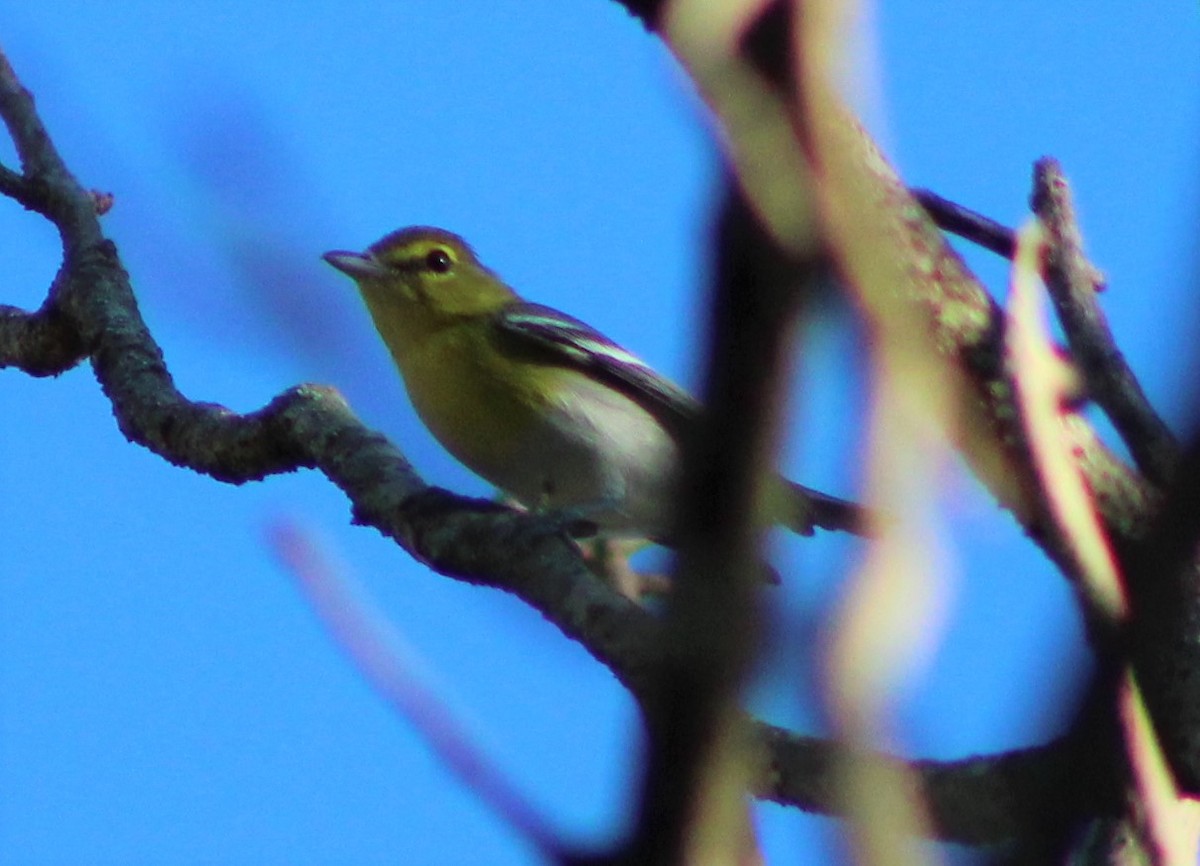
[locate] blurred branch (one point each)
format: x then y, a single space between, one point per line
915 289
1161 577
1043 386
864 203
712 628
384 660
1165 825
649 12
888 615
91 313
952 318
92 310
1157 825
1074 284
982 800
1073 281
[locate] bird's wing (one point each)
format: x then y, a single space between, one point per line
564 340
571 343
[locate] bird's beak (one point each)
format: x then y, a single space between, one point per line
355 265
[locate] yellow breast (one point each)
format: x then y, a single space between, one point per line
479 403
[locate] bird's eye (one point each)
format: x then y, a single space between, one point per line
438 261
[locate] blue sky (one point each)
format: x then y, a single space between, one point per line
167 695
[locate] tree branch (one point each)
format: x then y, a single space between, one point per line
91 312
713 624
41 343
1072 282
967 223
983 800
1162 577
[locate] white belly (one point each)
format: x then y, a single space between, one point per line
599 450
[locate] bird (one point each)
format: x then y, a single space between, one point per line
534 401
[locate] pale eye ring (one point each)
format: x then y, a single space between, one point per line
439 261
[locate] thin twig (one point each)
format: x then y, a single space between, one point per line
46 184
1110 381
967 223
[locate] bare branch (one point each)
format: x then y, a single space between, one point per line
45 185
41 343
1072 283
967 223
92 312
1164 642
1043 385
982 800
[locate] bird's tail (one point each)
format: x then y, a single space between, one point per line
805 510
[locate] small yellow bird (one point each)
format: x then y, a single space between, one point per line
534 401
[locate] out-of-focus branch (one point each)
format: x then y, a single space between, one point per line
981 800
649 12
889 610
1072 283
865 203
1043 386
92 310
92 313
712 624
915 289
1155 818
956 321
1162 576
387 663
